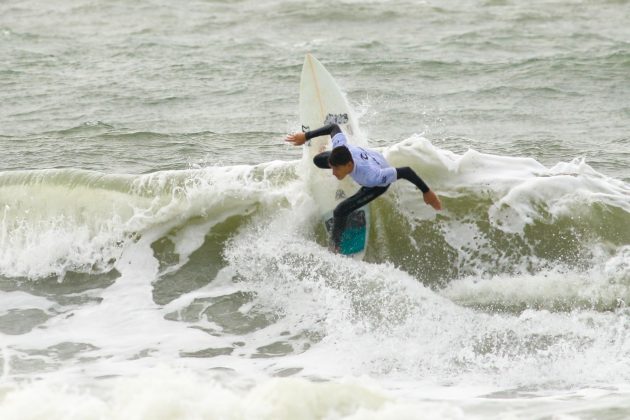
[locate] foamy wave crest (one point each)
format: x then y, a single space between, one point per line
166 394
505 214
55 221
501 214
169 395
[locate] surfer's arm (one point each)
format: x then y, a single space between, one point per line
300 138
331 129
429 196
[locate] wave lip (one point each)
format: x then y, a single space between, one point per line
55 221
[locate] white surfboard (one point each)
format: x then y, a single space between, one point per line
321 102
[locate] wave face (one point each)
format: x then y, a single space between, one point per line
525 271
88 218
502 215
182 272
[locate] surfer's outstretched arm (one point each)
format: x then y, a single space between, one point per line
429 196
300 138
409 174
330 129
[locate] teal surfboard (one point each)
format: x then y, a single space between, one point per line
354 236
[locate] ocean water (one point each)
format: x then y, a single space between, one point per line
160 256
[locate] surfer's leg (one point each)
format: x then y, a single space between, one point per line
350 204
321 160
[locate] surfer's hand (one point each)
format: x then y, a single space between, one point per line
297 139
432 199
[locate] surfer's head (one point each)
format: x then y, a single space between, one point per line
341 162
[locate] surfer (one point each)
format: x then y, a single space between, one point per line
366 167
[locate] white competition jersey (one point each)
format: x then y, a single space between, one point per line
370 167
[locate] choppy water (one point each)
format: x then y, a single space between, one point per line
160 258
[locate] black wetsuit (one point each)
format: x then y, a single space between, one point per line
365 194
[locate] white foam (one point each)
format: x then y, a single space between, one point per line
23 300
522 189
56 221
166 394
126 322
341 318
378 320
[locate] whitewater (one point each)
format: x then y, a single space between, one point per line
161 256
139 278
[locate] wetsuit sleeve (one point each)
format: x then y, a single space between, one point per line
331 129
408 174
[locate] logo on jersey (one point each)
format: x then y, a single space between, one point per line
340 194
364 156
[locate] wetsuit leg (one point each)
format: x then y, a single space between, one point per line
350 204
